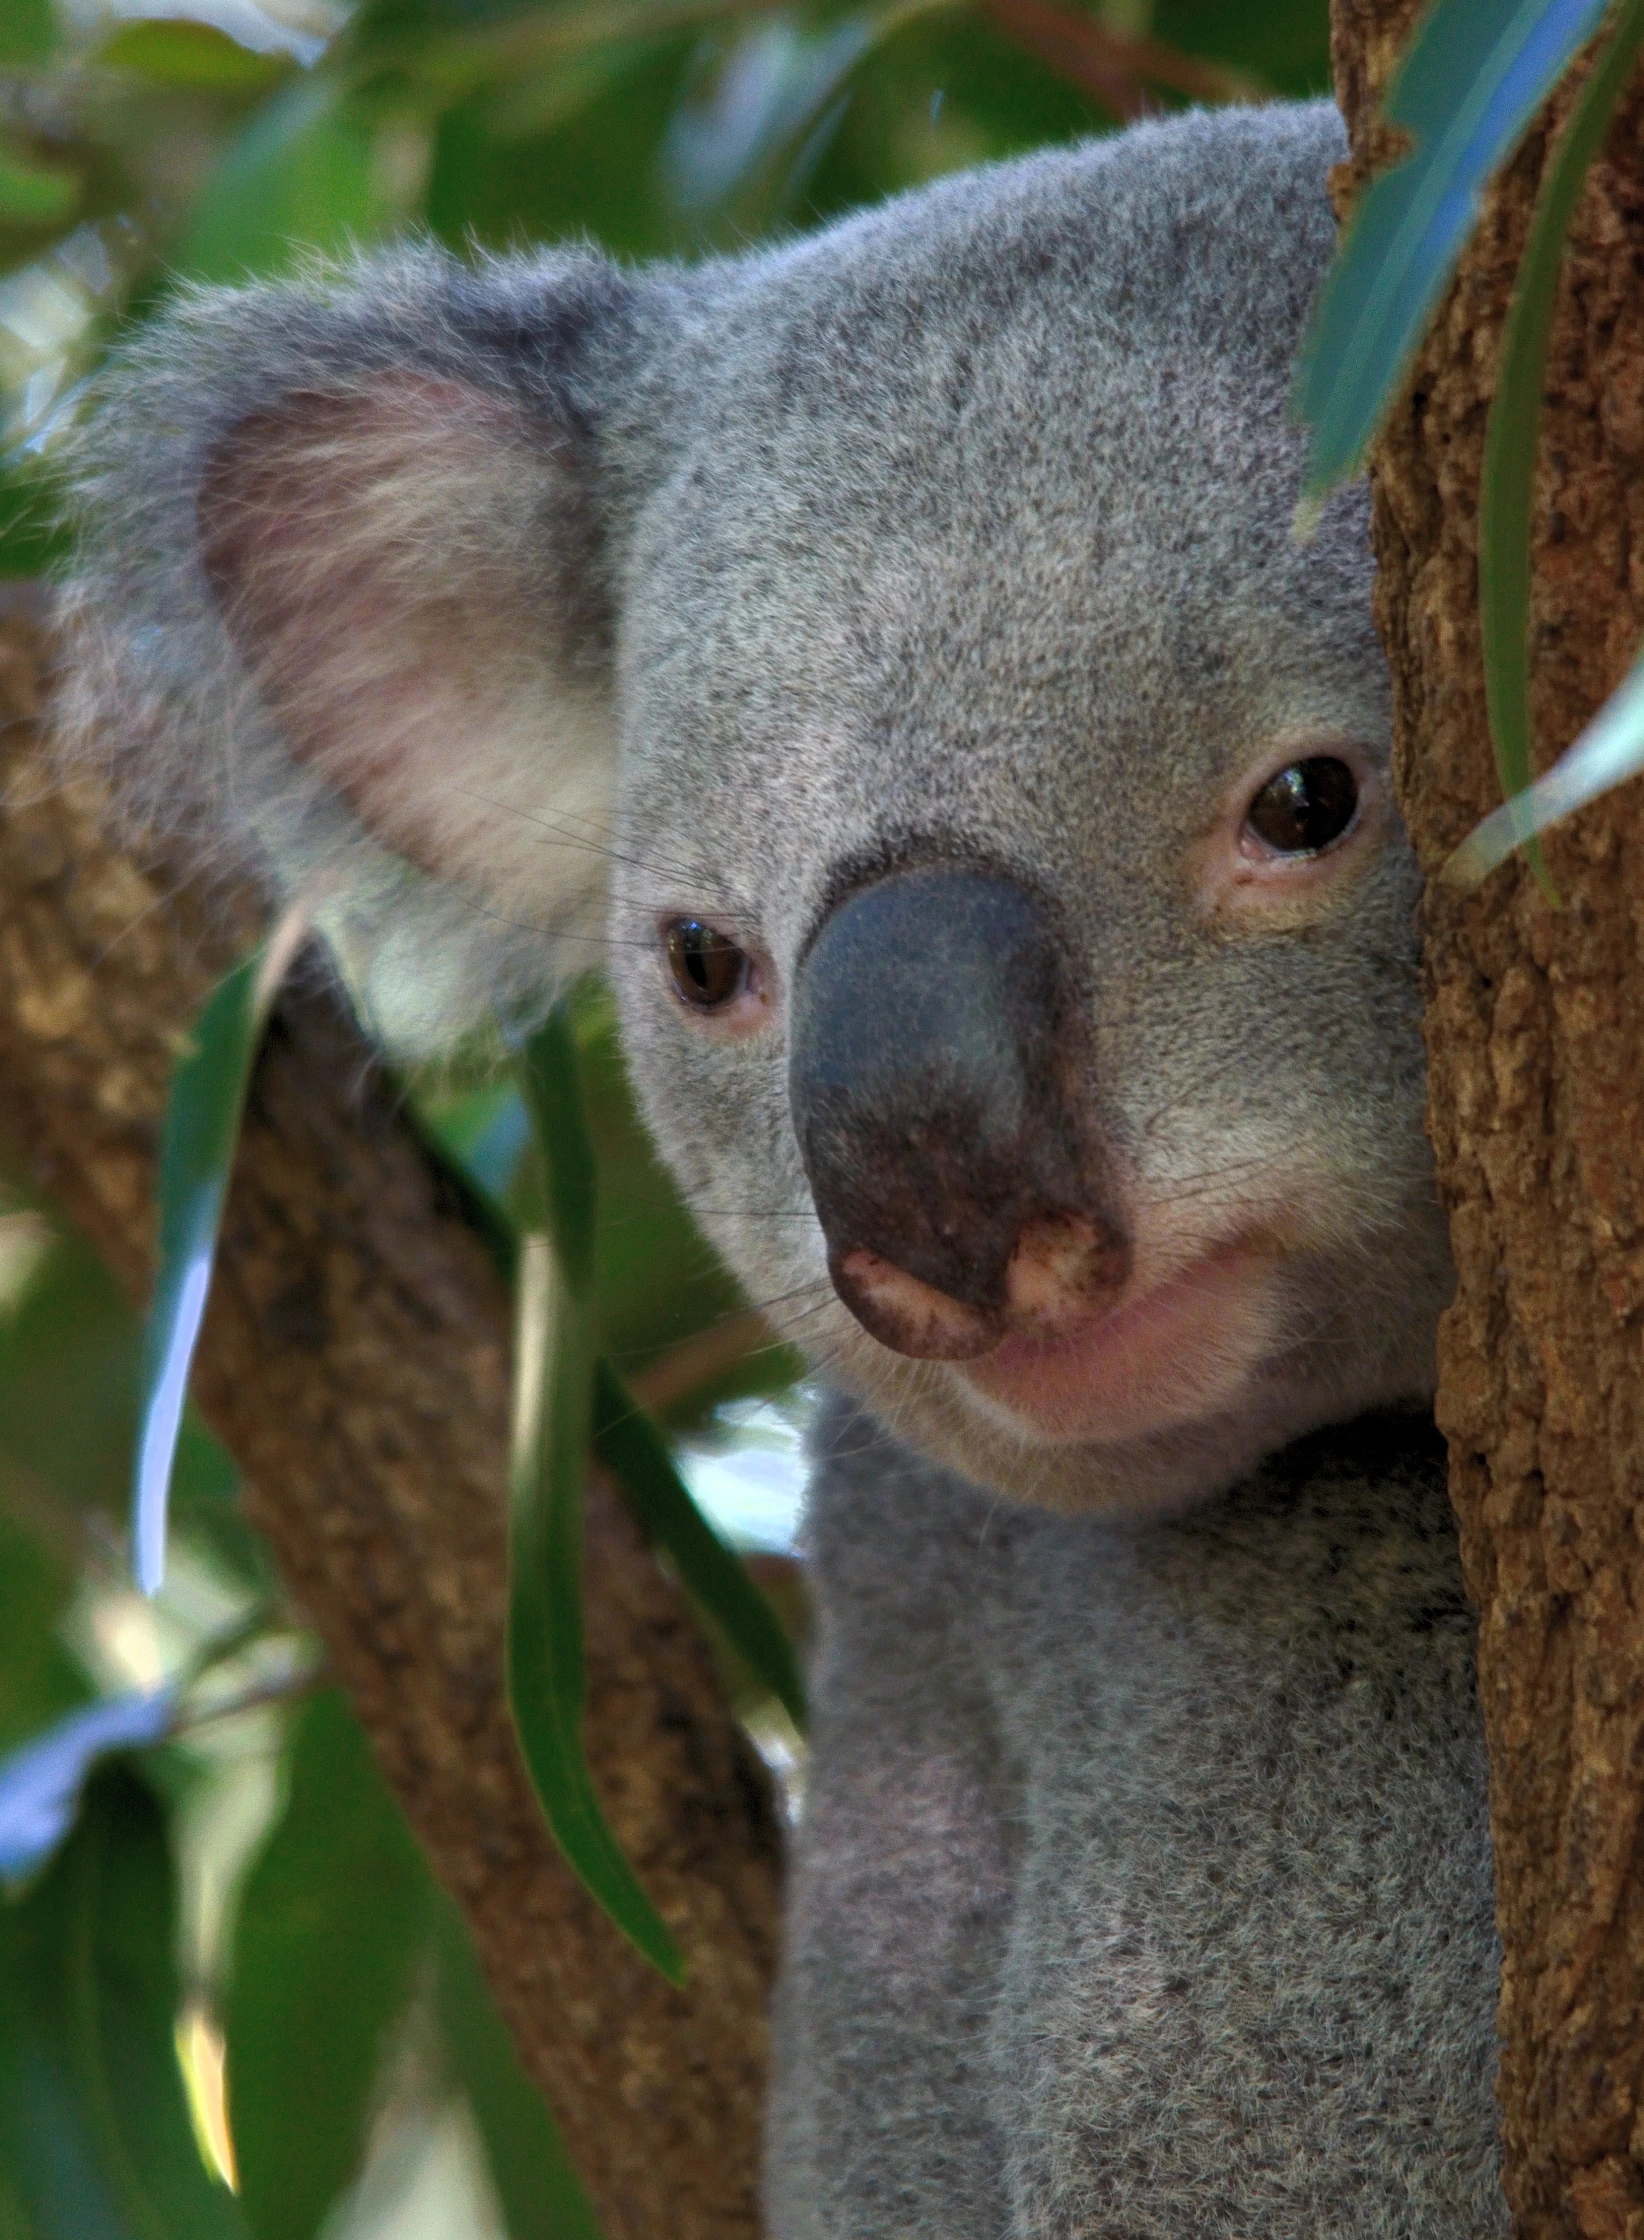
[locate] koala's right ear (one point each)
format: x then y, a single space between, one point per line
347 595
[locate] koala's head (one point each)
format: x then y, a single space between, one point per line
890 656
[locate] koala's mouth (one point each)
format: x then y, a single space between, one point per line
1163 1355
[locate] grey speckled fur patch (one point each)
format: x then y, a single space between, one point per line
1144 1884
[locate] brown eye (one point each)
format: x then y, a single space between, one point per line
708 970
1303 808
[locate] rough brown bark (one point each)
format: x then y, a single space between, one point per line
355 1361
1536 1109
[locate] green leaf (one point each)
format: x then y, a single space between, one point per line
94 2131
553 1372
39 1680
32 535
1472 81
28 32
1507 488
40 1783
332 1925
1610 750
637 1456
197 1142
35 194
551 1088
201 1128
191 58
314 169
541 2195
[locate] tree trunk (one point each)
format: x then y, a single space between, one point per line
355 1362
1536 1110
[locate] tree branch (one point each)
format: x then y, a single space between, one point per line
355 1362
1534 1094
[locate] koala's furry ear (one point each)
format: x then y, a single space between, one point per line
346 604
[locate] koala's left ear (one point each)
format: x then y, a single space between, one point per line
352 542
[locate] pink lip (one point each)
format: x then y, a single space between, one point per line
1178 1351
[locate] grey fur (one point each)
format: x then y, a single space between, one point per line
1144 1883
958 533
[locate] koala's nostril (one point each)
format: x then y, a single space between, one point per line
929 1058
909 1316
1063 1269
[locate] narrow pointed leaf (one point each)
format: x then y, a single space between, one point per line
40 1784
541 2195
1474 77
95 2138
1610 750
637 1455
1507 488
553 1421
333 1925
201 1128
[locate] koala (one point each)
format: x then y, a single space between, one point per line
886 654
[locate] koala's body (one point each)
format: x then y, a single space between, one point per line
889 653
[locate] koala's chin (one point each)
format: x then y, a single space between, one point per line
1180 1388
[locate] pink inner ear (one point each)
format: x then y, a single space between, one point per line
397 568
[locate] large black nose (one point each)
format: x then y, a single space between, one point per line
930 1077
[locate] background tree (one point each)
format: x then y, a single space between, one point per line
1535 1036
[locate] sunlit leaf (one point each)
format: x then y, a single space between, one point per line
94 2132
28 31
191 57
774 85
39 1681
201 1128
637 1456
32 536
34 193
553 1421
314 169
541 2195
1466 92
333 1924
1507 484
1609 751
40 1783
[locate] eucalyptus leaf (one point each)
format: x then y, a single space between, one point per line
32 534
553 1422
40 1783
1609 751
1474 77
95 2139
198 1136
28 32
332 1927
637 1456
39 1681
1507 484
35 193
313 169
542 2197
191 57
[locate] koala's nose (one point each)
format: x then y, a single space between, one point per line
929 1076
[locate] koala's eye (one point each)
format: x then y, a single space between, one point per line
1303 808
708 969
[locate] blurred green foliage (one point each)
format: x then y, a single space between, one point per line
254 1874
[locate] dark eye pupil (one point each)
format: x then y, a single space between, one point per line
1303 808
707 969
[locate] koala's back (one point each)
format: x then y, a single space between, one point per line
1144 1887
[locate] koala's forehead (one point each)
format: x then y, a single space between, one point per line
982 504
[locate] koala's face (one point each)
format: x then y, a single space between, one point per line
1013 930
1015 933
